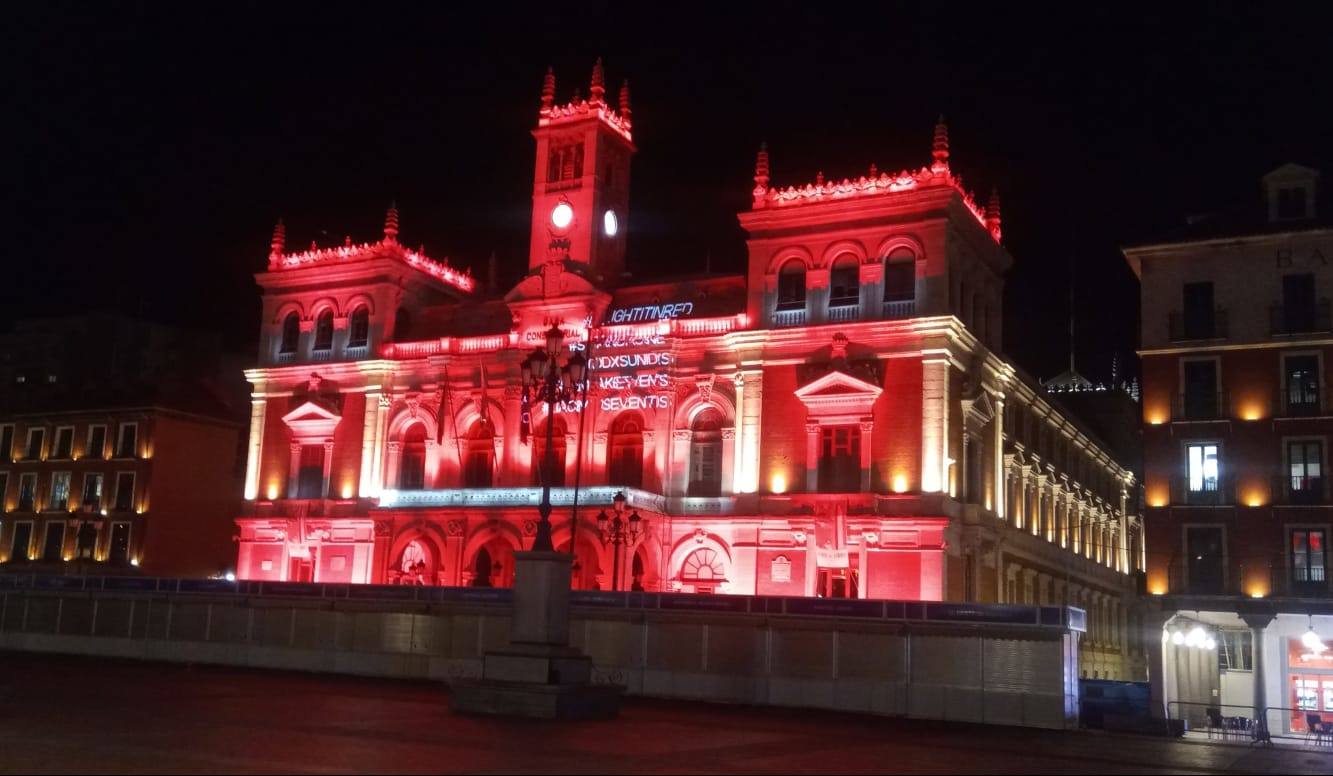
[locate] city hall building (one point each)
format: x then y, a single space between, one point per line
835 422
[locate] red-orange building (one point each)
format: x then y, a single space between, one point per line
1236 339
835 421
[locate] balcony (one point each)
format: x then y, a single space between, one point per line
1214 492
1200 405
286 358
1265 578
1302 401
321 354
843 310
899 308
1190 328
784 318
1299 490
1287 320
356 352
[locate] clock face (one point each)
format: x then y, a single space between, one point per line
610 225
562 215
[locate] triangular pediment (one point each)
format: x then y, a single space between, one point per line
311 420
837 383
838 394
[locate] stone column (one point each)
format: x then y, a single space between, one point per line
1258 624
254 450
998 496
754 406
728 461
867 428
680 463
391 463
934 424
294 469
377 460
738 461
811 457
328 468
1124 530
1039 505
369 441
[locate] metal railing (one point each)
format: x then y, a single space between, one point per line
1293 490
356 352
1299 402
1203 492
1182 328
1201 405
1242 578
1235 723
1300 319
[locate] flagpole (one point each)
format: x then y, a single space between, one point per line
578 466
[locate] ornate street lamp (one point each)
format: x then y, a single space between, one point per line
545 380
619 532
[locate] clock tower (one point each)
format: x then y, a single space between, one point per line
580 193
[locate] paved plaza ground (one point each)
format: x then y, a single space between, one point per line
78 715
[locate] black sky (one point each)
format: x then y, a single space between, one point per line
155 144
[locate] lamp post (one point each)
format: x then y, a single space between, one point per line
545 380
619 532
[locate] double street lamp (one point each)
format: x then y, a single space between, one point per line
546 380
619 532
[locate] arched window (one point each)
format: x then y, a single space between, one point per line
414 556
625 455
636 572
324 331
479 455
791 285
844 281
704 569
706 454
481 569
556 473
359 334
291 333
900 275
412 463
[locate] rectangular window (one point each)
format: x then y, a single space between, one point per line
21 547
1199 311
310 477
840 459
4 490
1205 561
27 491
118 549
36 440
96 442
64 443
1203 468
1303 384
900 281
53 547
705 466
1308 556
1201 398
127 441
124 491
85 543
7 442
1298 303
1305 470
1235 650
92 492
59 492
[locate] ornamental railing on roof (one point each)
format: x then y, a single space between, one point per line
357 252
579 109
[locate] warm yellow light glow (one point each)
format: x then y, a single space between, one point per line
1256 595
1157 591
134 561
272 491
900 483
778 483
1252 412
1156 420
347 490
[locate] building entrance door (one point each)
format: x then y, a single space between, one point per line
837 583
302 569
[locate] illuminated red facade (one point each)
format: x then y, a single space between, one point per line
835 421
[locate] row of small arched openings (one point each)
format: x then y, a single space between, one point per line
899 282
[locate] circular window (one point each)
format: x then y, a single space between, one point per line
562 215
610 225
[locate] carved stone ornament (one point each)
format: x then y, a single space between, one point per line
383 529
705 385
454 528
529 527
699 535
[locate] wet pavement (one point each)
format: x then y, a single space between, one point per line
79 715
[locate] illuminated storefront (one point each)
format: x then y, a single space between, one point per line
834 422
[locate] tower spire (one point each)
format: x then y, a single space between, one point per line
548 89
391 223
939 151
624 100
761 167
597 90
279 241
993 214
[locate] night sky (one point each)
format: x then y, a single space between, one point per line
156 144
